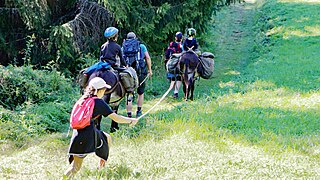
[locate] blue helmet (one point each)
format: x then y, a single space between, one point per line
110 32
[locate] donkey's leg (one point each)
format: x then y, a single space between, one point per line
97 122
187 93
191 90
184 89
114 125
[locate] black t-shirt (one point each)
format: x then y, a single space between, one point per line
188 43
101 108
109 51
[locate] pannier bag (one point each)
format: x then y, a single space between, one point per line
206 66
85 73
129 79
172 64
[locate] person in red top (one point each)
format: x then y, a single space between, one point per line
174 47
90 139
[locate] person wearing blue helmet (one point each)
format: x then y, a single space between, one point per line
111 50
110 56
174 47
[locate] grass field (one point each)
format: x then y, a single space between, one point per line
258 118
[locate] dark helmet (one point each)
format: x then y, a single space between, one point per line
110 32
191 32
179 35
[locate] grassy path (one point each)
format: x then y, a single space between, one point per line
249 122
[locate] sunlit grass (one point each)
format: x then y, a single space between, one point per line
288 32
300 1
307 31
277 98
232 73
258 118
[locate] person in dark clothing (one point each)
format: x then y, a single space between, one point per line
146 60
190 43
110 56
111 51
174 47
90 139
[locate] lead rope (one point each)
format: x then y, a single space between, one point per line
144 79
163 96
68 131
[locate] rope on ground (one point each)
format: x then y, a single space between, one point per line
163 96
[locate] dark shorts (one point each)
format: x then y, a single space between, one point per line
141 88
173 77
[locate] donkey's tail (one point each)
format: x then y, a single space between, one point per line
186 78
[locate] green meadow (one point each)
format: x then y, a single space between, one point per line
257 118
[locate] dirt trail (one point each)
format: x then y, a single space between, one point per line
234 36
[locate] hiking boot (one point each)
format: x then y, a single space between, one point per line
139 113
175 96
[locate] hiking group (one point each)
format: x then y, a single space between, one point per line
173 54
87 137
173 62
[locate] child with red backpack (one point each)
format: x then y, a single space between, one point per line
86 138
174 47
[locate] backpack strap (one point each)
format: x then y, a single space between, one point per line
139 54
96 117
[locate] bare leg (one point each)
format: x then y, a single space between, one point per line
177 87
77 163
140 100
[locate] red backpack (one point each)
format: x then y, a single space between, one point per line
82 113
175 47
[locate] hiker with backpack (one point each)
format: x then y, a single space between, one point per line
137 56
86 138
174 48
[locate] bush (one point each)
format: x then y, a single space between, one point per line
22 85
34 103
